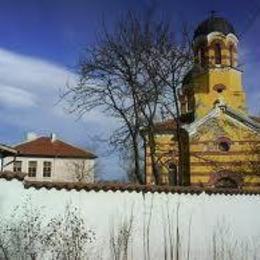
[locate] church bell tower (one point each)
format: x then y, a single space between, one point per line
216 76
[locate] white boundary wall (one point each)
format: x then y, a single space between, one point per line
235 219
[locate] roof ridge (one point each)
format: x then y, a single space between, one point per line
28 141
46 146
74 146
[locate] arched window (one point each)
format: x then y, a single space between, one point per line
217 53
226 182
231 55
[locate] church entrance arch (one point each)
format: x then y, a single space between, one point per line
226 179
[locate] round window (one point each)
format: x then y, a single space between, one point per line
224 146
219 88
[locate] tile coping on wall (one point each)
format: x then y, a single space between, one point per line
106 186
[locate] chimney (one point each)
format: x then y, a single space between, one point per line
53 137
31 136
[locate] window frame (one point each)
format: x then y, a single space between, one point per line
34 172
46 171
15 166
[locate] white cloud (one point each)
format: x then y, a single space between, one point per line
29 91
32 75
15 97
27 82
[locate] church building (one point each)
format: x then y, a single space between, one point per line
222 147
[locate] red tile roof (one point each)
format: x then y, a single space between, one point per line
46 147
167 125
134 188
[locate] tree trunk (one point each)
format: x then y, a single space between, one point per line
152 146
137 170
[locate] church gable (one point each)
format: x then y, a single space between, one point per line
224 148
222 122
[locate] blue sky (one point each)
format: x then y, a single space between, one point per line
41 41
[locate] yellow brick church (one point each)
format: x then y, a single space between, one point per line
223 140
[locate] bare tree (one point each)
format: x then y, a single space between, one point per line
20 233
129 74
107 81
67 236
83 170
166 64
120 238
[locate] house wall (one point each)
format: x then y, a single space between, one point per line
201 219
63 169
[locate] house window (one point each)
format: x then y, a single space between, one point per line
17 166
32 169
46 169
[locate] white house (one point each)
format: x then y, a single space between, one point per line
51 159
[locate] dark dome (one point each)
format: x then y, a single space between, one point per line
214 24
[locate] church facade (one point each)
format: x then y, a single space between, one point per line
222 139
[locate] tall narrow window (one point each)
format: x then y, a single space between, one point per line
32 168
17 166
231 55
217 53
46 169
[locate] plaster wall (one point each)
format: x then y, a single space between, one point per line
62 169
235 219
